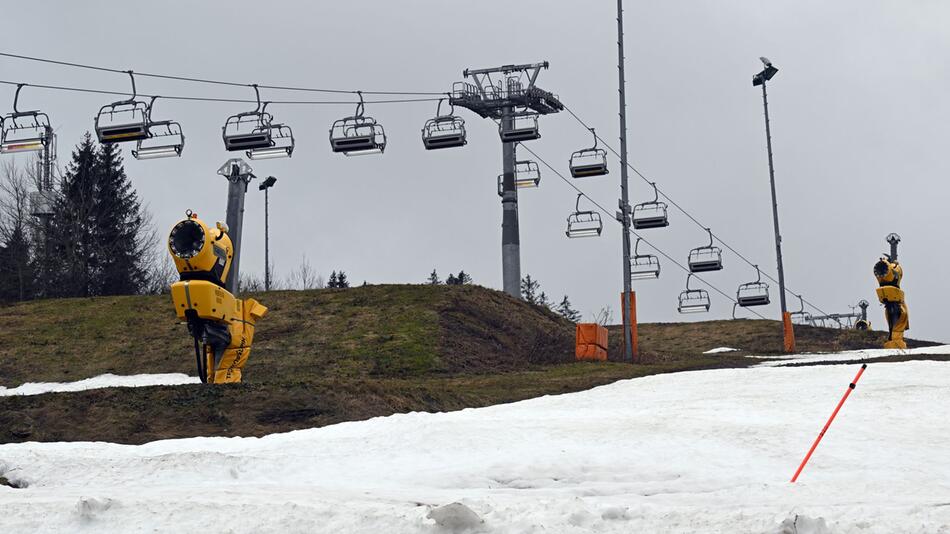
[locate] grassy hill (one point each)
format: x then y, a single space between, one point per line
326 356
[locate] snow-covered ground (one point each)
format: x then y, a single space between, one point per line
707 451
718 350
101 381
849 356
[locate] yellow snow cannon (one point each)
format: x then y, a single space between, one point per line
221 325
889 274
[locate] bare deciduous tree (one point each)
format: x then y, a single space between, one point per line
305 277
605 316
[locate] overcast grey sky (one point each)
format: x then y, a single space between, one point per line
859 118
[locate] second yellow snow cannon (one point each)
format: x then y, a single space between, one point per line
221 325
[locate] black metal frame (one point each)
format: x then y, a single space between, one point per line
581 168
162 131
701 259
11 124
259 134
643 266
135 129
527 176
699 297
444 131
805 317
652 214
357 135
519 134
282 144
586 221
753 293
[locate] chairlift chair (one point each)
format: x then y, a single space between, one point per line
643 266
444 131
123 121
357 135
524 127
589 161
24 131
165 140
753 293
651 214
693 300
801 317
706 258
249 130
583 223
282 144
527 175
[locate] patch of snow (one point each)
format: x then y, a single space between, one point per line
99 382
848 356
802 524
703 451
721 349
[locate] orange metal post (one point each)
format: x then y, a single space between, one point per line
633 327
830 419
789 332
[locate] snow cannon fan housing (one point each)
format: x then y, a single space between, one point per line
200 252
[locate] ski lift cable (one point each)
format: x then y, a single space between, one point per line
217 82
683 210
225 100
635 234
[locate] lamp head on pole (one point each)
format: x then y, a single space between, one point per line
267 183
766 74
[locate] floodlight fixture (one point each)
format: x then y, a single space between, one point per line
267 183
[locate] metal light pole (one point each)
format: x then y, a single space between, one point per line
624 214
761 79
265 185
239 174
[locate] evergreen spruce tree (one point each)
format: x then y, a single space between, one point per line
463 278
333 281
98 236
565 310
529 289
543 300
69 264
434 278
122 241
451 280
341 280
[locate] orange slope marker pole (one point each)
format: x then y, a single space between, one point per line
830 419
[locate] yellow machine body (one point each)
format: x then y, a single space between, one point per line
222 325
889 275
229 367
207 299
196 248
